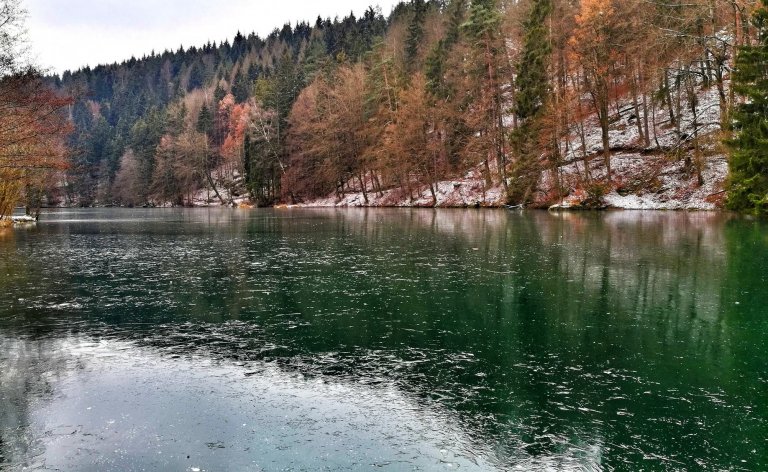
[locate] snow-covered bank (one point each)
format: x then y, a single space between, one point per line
654 183
639 183
673 172
457 193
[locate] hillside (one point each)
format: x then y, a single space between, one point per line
662 176
540 102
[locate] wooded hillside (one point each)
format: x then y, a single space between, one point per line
532 101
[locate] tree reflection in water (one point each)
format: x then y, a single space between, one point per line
536 340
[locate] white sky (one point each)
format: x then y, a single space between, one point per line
68 34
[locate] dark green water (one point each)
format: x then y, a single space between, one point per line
384 339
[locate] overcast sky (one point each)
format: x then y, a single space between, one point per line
68 34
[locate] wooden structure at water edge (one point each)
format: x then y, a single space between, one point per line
23 220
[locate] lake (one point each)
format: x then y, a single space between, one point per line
328 339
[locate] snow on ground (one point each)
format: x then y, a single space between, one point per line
227 181
640 182
643 178
648 182
651 178
624 132
656 183
676 192
466 192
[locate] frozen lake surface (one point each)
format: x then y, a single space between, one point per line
384 339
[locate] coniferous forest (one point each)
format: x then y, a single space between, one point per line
534 102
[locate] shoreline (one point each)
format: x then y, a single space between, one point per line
284 206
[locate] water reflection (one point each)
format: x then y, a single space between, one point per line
485 339
117 406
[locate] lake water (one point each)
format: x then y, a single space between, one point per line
384 339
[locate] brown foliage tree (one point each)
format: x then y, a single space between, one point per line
33 128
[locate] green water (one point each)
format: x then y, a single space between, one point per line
384 339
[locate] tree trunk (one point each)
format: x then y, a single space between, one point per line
636 105
606 138
213 186
647 137
361 179
434 194
668 98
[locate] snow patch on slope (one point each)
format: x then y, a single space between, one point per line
655 177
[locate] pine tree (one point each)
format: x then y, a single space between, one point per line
415 33
748 182
532 86
242 88
219 93
195 77
532 79
205 120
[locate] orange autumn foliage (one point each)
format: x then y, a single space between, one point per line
237 127
33 128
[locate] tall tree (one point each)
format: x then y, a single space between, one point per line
415 33
487 69
595 44
532 93
205 120
411 139
748 183
33 129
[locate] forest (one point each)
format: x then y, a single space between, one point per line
533 102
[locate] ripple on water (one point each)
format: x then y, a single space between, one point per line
397 339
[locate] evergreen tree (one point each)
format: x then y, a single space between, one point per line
415 33
437 60
176 120
195 77
748 183
443 82
253 73
435 70
532 79
242 88
219 93
532 92
315 58
205 120
287 83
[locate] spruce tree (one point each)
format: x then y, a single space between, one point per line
485 69
532 86
242 88
219 93
532 79
415 33
748 182
437 61
195 77
205 120
435 71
